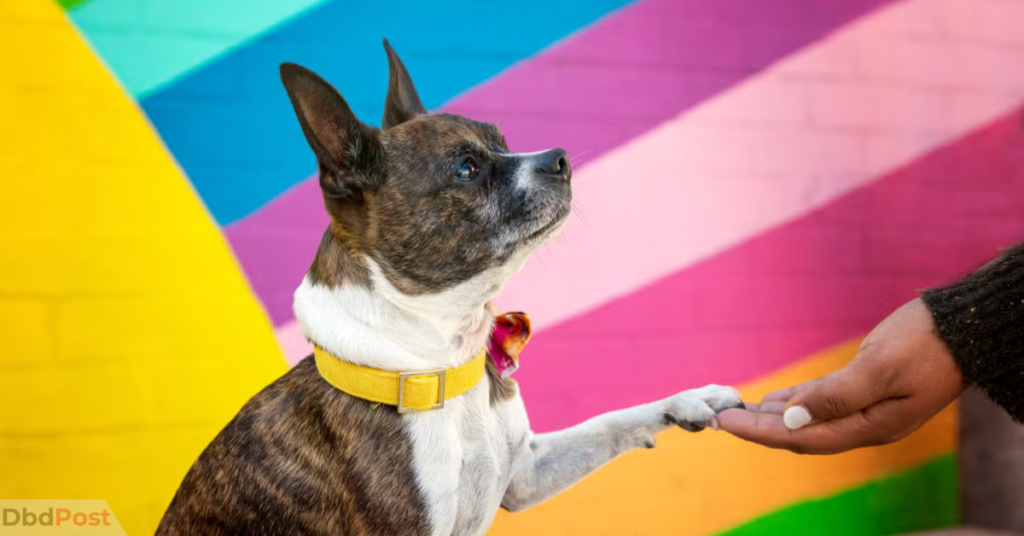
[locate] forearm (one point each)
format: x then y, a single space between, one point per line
981 319
557 460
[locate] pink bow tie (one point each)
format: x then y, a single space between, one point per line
510 335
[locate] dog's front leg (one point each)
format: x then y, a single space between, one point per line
557 460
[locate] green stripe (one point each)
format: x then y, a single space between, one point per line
922 498
68 4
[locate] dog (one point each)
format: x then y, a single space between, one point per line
429 216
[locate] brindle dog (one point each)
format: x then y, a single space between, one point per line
430 215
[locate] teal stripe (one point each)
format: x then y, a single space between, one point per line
923 498
150 43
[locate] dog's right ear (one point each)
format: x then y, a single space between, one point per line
347 149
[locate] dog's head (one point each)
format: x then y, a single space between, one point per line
432 199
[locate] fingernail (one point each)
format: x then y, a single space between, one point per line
714 423
796 417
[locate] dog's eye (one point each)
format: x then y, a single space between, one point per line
466 172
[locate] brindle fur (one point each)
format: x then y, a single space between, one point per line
338 260
302 457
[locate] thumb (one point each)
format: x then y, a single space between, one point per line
837 395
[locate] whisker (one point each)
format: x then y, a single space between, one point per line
541 256
578 211
573 158
581 153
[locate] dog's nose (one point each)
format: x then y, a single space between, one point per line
554 162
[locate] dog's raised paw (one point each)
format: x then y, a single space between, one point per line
718 397
692 410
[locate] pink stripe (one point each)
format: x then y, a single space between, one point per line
293 343
819 280
590 93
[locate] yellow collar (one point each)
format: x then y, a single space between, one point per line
407 391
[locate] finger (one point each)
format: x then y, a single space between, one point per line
840 394
766 407
787 393
781 395
777 408
763 428
752 407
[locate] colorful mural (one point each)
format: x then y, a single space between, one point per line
757 184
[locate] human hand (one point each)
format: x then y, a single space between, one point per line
902 375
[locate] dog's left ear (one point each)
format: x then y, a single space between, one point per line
402 103
349 152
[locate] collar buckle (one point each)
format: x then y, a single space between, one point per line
403 376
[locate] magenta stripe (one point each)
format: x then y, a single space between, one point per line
811 284
590 93
276 245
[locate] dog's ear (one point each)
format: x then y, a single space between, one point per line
348 150
402 102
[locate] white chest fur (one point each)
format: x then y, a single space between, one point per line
465 454
464 457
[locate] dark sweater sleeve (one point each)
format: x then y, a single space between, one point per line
981 318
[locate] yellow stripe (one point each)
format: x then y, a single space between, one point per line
128 335
699 484
382 385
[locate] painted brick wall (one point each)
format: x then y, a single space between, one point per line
757 184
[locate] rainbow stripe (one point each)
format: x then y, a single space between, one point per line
758 187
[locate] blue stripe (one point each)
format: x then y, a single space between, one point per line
231 127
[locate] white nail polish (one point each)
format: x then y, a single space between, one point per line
714 423
796 417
